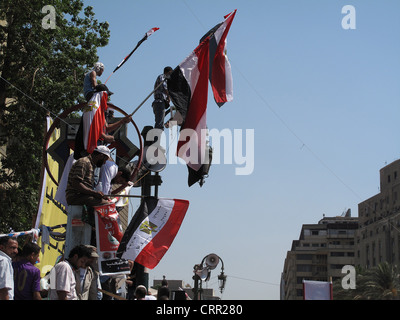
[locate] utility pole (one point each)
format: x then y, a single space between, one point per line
149 180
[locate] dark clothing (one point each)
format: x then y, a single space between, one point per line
26 280
160 101
159 114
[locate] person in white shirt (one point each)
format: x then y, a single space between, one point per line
62 277
8 251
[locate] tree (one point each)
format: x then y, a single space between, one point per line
38 65
382 283
379 283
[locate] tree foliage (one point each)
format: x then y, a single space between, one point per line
41 69
379 283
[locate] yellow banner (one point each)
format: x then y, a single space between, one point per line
52 216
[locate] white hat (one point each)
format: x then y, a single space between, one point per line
103 150
98 66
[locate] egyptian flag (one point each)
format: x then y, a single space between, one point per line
92 124
152 230
148 34
220 68
188 89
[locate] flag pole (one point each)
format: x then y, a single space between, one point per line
148 33
122 196
150 94
140 105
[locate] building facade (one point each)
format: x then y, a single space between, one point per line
321 252
378 236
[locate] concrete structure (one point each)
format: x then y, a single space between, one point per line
378 236
320 254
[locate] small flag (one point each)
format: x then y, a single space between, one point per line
148 34
152 230
151 31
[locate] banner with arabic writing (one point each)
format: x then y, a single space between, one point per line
51 217
108 236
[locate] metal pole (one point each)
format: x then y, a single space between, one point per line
150 94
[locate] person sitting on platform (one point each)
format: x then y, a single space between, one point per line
80 185
90 85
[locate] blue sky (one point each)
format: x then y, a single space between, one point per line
323 103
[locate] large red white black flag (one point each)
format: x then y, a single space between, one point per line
188 89
152 230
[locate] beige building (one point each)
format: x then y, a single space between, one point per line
378 236
320 254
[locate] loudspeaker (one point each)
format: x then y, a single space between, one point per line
154 160
212 261
204 274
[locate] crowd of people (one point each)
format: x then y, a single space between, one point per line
74 278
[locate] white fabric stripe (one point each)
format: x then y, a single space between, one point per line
190 70
229 80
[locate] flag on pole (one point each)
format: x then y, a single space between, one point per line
317 290
188 89
152 230
220 69
148 34
92 124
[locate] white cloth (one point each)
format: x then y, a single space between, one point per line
108 171
6 274
62 186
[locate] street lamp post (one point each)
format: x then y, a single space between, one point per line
202 272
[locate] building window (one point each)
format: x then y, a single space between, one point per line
337 254
304 256
303 268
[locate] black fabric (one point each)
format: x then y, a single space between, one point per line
199 175
179 91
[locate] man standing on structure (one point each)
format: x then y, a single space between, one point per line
80 185
161 98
